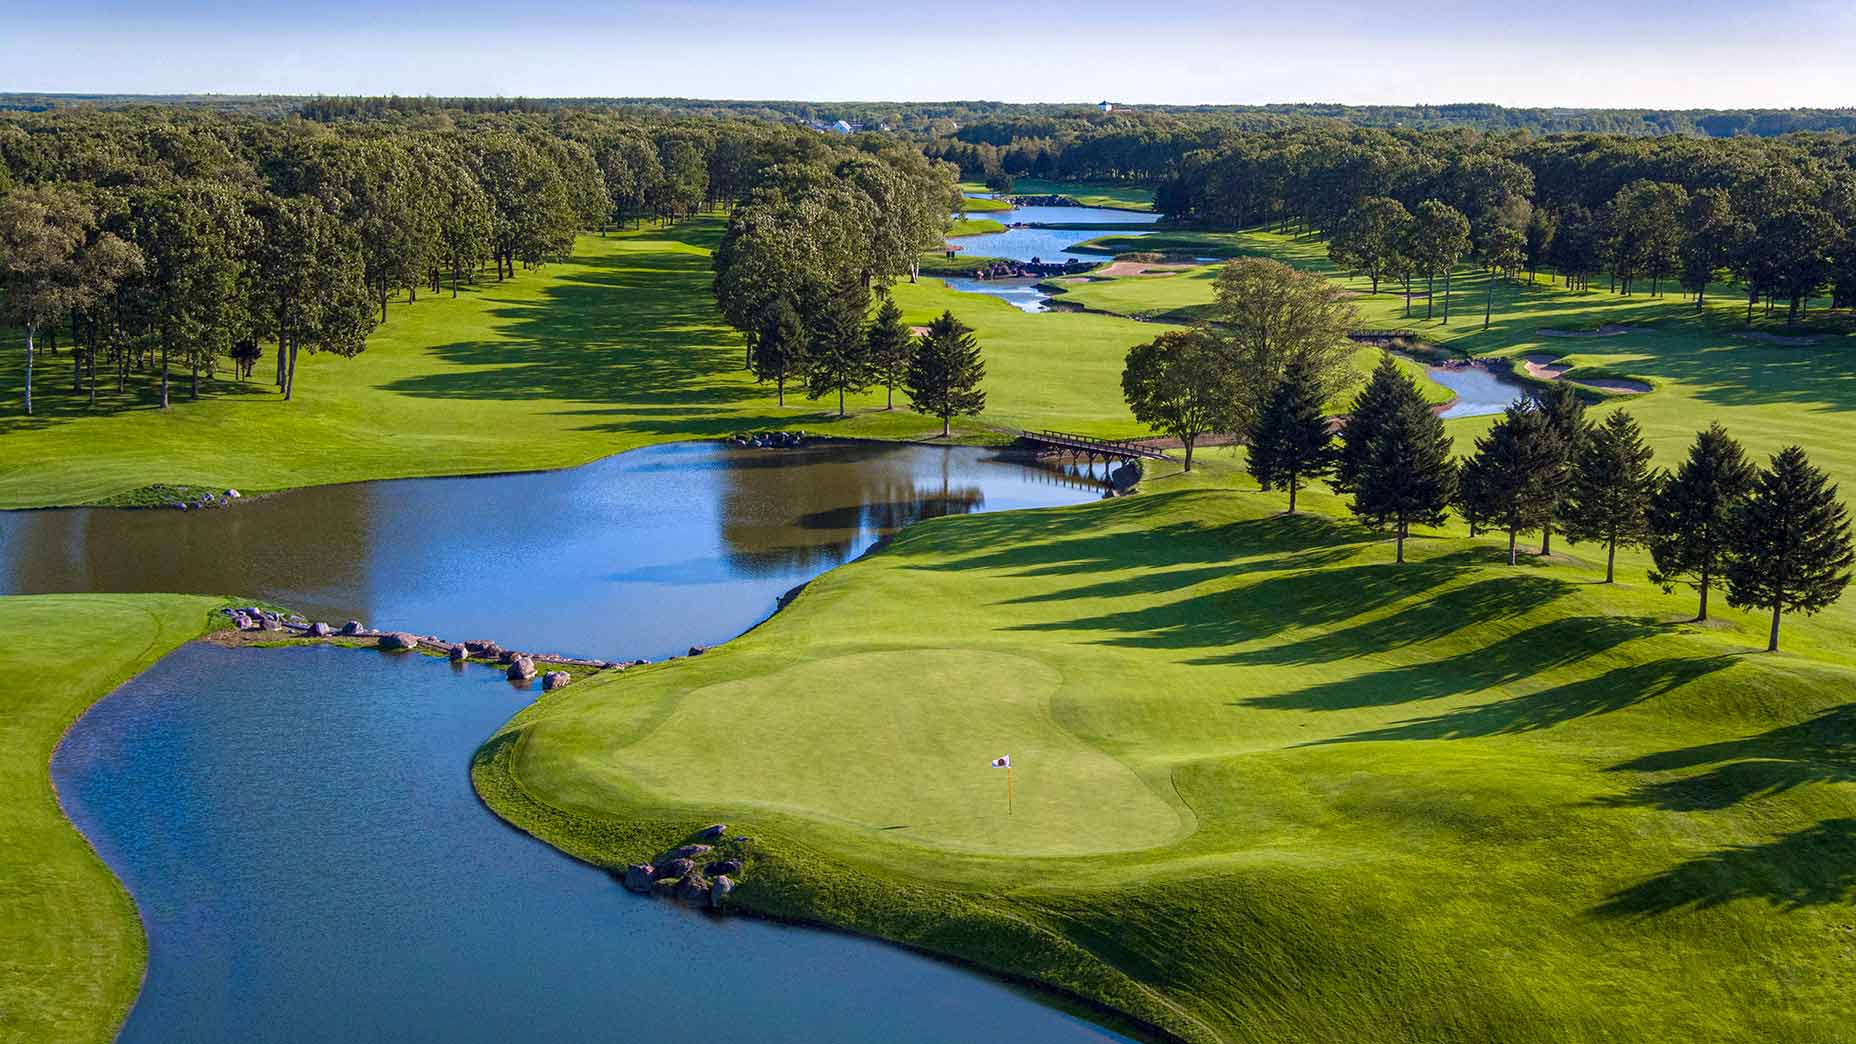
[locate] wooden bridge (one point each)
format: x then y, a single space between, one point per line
1063 442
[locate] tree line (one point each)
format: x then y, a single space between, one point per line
1775 216
152 240
1276 353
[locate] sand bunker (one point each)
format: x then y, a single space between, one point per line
1552 368
1140 268
1607 330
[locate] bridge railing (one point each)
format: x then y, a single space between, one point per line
1110 447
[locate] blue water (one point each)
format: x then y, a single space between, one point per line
1043 244
297 825
299 832
1479 390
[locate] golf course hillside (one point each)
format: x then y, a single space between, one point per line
1266 784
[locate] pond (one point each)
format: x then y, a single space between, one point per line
1479 389
297 825
1046 244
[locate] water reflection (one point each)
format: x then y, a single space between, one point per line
641 554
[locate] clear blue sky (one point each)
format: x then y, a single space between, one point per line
1650 53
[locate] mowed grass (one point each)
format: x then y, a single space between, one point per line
1269 785
71 948
619 348
1114 194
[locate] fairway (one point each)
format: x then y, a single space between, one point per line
1450 801
73 953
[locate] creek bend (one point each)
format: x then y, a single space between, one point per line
297 825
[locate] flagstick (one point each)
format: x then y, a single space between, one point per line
1008 790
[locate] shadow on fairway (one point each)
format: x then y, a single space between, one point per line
1815 866
1614 690
1819 750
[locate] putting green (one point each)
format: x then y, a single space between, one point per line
916 768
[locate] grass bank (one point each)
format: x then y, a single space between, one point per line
71 946
1115 195
1269 786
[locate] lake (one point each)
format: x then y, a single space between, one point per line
1046 244
297 825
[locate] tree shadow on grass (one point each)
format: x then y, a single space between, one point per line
1613 690
1815 866
1820 750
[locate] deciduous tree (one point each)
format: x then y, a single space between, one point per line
1181 384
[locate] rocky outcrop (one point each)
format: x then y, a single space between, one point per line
457 653
554 680
483 649
693 889
521 668
676 867
398 641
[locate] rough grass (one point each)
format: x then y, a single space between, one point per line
71 947
974 227
1269 785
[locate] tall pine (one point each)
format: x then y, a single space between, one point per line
1290 441
892 345
1512 482
945 374
1565 414
837 348
1371 408
1791 546
1405 476
779 345
1692 513
1611 487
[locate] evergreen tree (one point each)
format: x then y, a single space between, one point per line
891 346
779 346
1290 440
1611 488
1371 409
1406 477
1512 482
1791 549
944 377
1564 411
837 347
1692 513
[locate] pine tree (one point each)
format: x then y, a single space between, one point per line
1692 513
837 347
1565 414
1611 487
1370 411
1791 548
1406 476
892 345
779 345
945 374
1290 440
1512 482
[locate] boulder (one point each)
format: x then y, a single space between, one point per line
319 630
483 649
521 668
713 831
395 641
272 623
231 494
722 867
687 852
674 867
245 623
694 889
639 877
554 680
507 656
718 891
457 653
352 627
698 650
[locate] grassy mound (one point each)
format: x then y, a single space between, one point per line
73 953
1269 785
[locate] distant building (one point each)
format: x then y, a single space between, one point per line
842 127
1105 106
